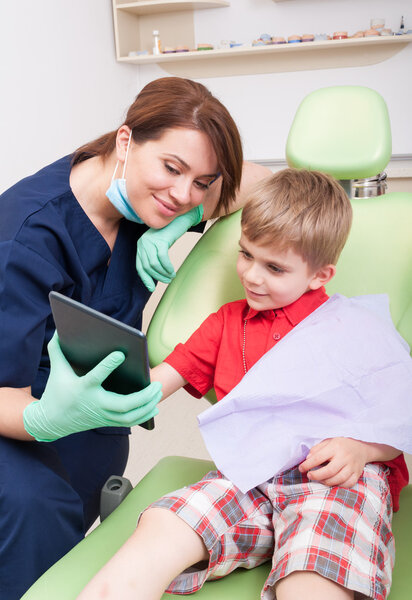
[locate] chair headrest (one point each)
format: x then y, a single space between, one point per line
343 130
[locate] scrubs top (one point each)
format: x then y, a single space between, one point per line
47 242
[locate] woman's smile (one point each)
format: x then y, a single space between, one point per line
166 208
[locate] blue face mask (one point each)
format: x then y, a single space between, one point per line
117 193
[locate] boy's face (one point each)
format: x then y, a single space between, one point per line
273 279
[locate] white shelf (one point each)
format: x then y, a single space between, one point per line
246 60
146 7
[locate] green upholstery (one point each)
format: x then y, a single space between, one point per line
342 130
377 259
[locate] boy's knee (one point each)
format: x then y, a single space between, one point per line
156 522
310 584
156 518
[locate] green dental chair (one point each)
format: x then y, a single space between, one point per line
344 131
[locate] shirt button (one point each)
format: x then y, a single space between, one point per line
276 336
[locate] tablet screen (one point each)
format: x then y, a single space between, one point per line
87 336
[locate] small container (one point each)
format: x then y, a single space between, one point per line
308 37
168 50
321 37
371 33
294 39
377 24
369 187
134 53
278 40
204 47
226 43
358 34
157 48
340 35
182 48
386 31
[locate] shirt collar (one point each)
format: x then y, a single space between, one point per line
298 310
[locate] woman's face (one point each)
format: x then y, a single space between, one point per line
169 176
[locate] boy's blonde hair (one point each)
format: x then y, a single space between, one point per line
306 210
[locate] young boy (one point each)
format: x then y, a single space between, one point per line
326 523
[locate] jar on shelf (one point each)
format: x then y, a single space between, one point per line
157 47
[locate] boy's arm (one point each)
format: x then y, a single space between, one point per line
345 460
170 379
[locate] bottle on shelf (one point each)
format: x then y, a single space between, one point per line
157 48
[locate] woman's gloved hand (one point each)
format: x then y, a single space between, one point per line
152 258
71 403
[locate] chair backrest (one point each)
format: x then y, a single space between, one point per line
376 259
342 130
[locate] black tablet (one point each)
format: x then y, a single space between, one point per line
87 336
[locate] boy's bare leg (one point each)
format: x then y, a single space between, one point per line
162 546
311 586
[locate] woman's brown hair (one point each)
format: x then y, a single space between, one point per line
172 102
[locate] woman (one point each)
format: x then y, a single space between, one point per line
63 229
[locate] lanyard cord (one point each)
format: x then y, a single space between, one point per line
244 347
244 342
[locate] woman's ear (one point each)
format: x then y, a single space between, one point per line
322 277
122 141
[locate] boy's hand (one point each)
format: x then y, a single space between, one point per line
345 460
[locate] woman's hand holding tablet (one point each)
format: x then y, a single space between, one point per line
99 375
71 403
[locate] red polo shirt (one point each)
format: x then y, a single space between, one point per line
234 339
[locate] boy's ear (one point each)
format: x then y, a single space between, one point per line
322 277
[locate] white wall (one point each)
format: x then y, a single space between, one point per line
264 105
60 83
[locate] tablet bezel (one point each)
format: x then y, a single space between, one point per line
87 336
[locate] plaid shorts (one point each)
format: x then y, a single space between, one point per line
342 534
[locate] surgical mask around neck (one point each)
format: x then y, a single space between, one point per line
117 192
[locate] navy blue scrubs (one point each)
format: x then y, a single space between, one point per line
49 492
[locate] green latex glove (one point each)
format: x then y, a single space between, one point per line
152 258
71 403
